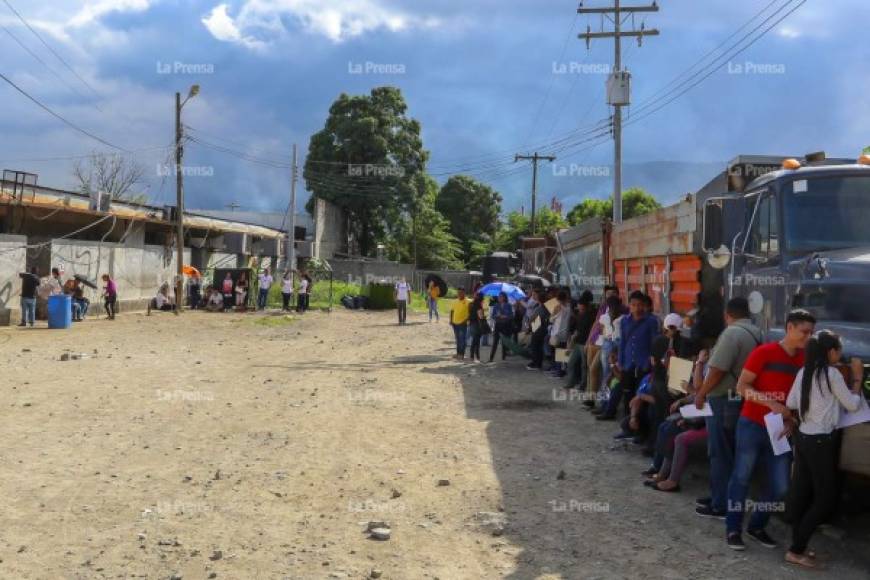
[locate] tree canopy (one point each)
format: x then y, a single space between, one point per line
635 202
472 210
518 225
365 160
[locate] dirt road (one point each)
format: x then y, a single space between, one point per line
244 446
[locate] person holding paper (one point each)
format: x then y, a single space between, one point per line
764 385
817 394
595 361
729 355
539 321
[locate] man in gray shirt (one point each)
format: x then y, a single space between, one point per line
719 389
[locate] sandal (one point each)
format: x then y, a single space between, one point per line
674 489
802 560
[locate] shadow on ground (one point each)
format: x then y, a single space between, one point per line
574 501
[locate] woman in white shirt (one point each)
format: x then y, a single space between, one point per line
287 290
817 394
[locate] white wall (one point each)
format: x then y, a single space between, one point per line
139 272
13 261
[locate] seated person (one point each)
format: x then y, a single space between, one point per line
73 287
675 437
215 301
162 301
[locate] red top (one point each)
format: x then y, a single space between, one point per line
774 373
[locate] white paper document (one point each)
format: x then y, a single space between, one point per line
692 412
775 427
679 374
862 415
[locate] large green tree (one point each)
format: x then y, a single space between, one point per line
422 235
365 161
517 225
472 209
635 202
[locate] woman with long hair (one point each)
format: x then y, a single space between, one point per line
476 320
286 290
110 297
818 393
241 292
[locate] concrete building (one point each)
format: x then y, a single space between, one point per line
133 243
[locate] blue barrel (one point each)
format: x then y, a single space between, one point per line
60 311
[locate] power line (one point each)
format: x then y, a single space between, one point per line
61 118
42 62
652 107
54 52
552 81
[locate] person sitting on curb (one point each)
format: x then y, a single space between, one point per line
162 301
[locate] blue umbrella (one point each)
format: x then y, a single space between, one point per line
496 288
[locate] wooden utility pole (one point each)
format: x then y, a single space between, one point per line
179 191
179 208
292 233
534 159
618 83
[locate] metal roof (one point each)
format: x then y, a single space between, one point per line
75 202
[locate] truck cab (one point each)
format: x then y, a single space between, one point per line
799 237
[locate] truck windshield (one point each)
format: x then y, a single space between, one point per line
826 213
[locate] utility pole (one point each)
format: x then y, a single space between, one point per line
292 233
534 159
619 81
179 192
179 208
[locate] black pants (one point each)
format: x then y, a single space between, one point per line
814 487
536 346
302 303
111 306
402 306
286 300
624 391
500 328
475 341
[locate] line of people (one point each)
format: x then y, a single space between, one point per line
235 293
617 360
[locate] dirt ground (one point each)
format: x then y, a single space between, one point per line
251 446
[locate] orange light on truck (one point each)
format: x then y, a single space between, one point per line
864 160
791 164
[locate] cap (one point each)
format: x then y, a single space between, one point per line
673 319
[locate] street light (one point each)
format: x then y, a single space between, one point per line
179 190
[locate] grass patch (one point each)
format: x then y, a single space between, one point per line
275 321
319 299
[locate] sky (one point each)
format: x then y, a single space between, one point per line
486 79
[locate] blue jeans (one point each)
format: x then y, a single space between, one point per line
460 331
752 447
261 299
720 446
433 308
28 311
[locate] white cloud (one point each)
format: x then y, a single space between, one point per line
223 27
789 32
338 21
93 11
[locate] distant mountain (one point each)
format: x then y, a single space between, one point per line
668 181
